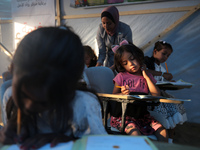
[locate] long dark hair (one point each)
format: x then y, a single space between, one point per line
51 57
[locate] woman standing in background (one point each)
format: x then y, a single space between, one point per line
110 32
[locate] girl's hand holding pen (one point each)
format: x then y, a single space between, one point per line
168 76
125 90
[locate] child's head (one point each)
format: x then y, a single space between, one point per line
90 56
128 58
110 19
47 66
162 50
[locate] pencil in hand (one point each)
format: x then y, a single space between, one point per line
118 86
166 67
18 121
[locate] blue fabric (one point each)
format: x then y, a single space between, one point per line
3 88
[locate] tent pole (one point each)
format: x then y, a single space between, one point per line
5 21
58 18
135 12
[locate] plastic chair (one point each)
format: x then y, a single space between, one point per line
100 79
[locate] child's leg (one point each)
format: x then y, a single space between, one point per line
171 135
131 129
162 134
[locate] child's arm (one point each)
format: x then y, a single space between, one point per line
123 90
8 132
167 76
154 90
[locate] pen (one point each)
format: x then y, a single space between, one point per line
18 121
166 67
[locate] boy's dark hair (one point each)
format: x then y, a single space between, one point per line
131 48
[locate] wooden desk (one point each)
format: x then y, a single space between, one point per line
125 99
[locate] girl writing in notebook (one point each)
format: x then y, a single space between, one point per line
47 66
162 51
172 113
133 78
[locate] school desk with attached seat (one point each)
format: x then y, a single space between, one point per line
134 99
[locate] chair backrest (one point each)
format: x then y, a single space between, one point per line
100 79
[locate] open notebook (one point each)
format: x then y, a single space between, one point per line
167 85
101 142
179 82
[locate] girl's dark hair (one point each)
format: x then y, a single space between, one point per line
53 58
89 51
159 45
131 48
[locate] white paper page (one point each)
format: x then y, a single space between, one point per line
61 146
116 143
146 96
183 82
179 82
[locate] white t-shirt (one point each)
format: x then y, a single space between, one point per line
159 68
87 118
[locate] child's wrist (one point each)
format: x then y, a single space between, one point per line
146 77
162 73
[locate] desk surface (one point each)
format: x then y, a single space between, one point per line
158 145
142 97
130 97
167 146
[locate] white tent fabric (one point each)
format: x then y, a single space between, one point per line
184 63
6 33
